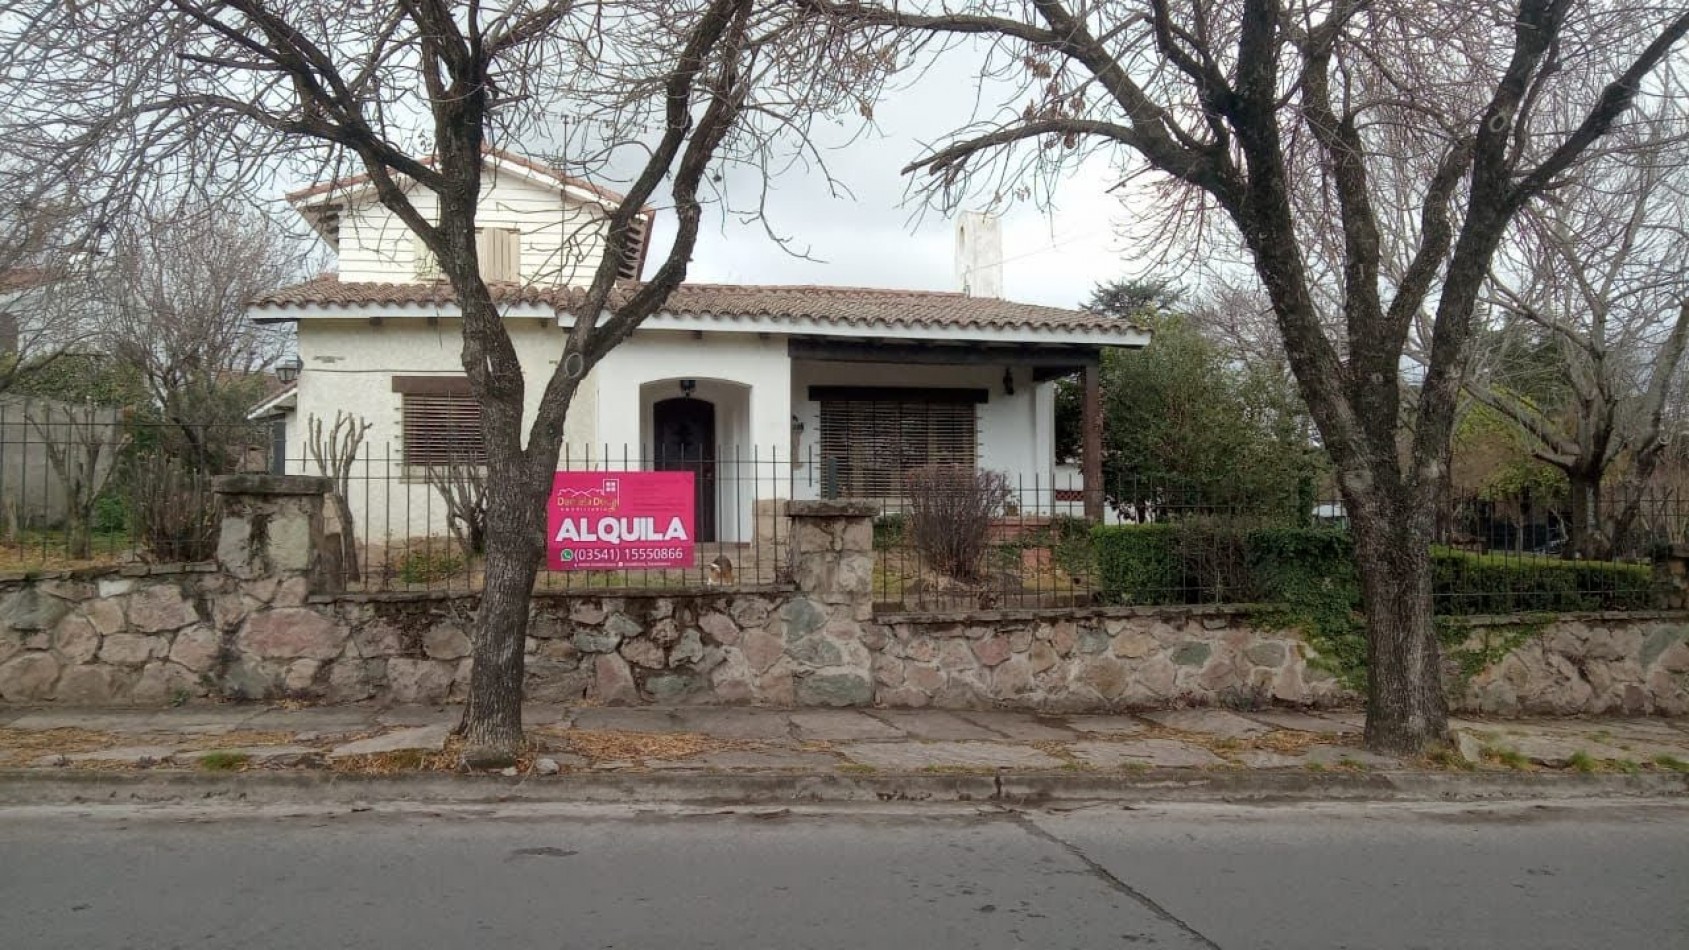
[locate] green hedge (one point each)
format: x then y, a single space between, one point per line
1307 578
1465 584
1160 564
1138 564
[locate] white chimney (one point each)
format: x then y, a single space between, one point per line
979 254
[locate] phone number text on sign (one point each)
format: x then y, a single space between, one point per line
610 520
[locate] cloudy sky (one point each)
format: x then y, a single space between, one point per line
876 236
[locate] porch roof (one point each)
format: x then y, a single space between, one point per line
826 311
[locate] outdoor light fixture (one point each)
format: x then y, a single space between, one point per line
288 370
1008 381
687 386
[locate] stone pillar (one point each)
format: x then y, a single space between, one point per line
832 561
273 528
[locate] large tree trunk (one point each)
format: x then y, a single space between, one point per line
492 718
1407 711
1585 537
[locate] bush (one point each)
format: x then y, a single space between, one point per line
429 565
889 531
1464 584
174 513
1138 564
1314 568
951 508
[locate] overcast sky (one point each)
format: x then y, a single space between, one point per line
872 238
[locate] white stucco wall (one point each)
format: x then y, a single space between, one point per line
349 366
756 390
562 236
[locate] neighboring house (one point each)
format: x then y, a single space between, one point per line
768 392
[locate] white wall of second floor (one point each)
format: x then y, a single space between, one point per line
561 237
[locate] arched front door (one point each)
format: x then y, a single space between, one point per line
684 441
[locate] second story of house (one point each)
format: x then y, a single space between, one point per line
535 226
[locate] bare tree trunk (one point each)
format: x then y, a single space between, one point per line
1407 711
1585 537
492 719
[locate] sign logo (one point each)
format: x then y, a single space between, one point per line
615 520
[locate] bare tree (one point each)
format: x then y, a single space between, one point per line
410 94
335 453
462 485
82 443
172 287
1594 289
45 310
1367 155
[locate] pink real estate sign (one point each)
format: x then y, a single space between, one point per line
615 520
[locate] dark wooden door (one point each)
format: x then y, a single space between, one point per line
685 442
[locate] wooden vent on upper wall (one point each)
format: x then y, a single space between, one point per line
633 257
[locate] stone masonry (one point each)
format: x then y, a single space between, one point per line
260 625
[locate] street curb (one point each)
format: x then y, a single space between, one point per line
38 787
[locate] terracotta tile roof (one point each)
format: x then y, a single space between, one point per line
847 306
539 168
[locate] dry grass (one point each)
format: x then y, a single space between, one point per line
639 746
19 748
228 740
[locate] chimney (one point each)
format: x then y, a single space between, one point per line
979 254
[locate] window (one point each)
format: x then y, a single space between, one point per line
872 438
498 249
442 421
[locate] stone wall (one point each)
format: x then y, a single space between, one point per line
1092 660
258 624
1631 664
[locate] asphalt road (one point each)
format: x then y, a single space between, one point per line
1190 876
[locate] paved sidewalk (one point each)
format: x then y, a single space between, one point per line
585 741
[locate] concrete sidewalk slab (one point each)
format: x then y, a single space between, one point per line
1207 722
918 756
1021 727
1107 725
841 725
416 739
1302 722
934 724
657 751
1145 753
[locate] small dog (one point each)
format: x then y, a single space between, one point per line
720 571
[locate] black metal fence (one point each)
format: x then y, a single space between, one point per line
423 527
966 540
83 487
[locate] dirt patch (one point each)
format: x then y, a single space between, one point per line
19 748
639 746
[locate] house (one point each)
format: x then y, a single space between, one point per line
768 392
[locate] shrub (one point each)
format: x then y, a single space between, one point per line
430 564
1465 583
1138 564
889 531
174 513
951 508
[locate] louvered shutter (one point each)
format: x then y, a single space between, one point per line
442 421
500 253
871 445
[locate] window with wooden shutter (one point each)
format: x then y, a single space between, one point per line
498 249
442 421
872 438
